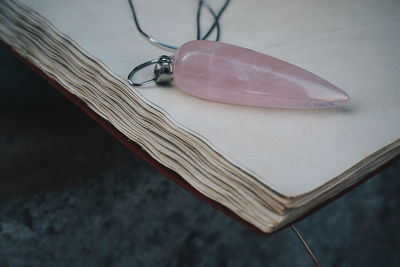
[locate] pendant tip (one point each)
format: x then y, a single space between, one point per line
333 97
342 98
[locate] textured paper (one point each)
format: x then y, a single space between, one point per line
353 44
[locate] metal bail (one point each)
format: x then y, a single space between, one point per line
162 71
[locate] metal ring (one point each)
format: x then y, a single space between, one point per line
141 66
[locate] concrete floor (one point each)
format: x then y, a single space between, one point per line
71 195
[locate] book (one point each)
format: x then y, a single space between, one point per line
267 167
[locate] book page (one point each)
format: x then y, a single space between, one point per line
352 44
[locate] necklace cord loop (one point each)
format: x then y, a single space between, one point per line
136 69
162 71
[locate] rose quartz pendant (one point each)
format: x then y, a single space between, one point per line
231 74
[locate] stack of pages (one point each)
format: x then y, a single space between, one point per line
268 166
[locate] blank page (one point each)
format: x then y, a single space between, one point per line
351 43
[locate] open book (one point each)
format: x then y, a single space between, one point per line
267 166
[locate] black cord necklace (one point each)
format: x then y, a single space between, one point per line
202 3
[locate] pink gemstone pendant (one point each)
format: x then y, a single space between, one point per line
231 74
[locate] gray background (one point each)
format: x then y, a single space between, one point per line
71 195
